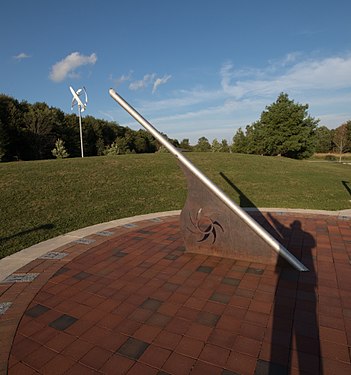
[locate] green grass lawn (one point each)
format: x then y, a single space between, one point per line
42 199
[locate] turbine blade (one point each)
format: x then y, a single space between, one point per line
86 95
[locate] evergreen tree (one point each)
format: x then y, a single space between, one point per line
285 128
288 129
59 151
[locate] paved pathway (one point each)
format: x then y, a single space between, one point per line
129 299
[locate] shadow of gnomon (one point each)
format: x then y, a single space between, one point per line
346 185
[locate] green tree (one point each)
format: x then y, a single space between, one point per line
100 146
4 141
39 124
69 133
140 144
185 145
224 146
288 129
203 145
112 150
59 151
122 145
250 142
144 142
12 139
129 138
285 129
239 144
216 146
324 139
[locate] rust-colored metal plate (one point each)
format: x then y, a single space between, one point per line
209 227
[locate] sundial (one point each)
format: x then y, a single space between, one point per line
211 222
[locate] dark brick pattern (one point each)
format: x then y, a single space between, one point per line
63 322
136 302
36 311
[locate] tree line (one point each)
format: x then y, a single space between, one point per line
37 131
30 132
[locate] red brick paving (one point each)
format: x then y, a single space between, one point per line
136 303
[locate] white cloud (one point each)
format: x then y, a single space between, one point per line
68 65
21 56
122 78
148 79
289 59
328 73
143 83
160 81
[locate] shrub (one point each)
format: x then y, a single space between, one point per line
59 151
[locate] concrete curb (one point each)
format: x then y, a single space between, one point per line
344 214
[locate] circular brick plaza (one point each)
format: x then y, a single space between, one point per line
131 300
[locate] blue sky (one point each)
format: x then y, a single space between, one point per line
192 67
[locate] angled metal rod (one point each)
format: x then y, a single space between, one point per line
270 240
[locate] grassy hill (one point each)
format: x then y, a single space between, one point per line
43 199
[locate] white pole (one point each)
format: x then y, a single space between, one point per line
80 131
278 247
